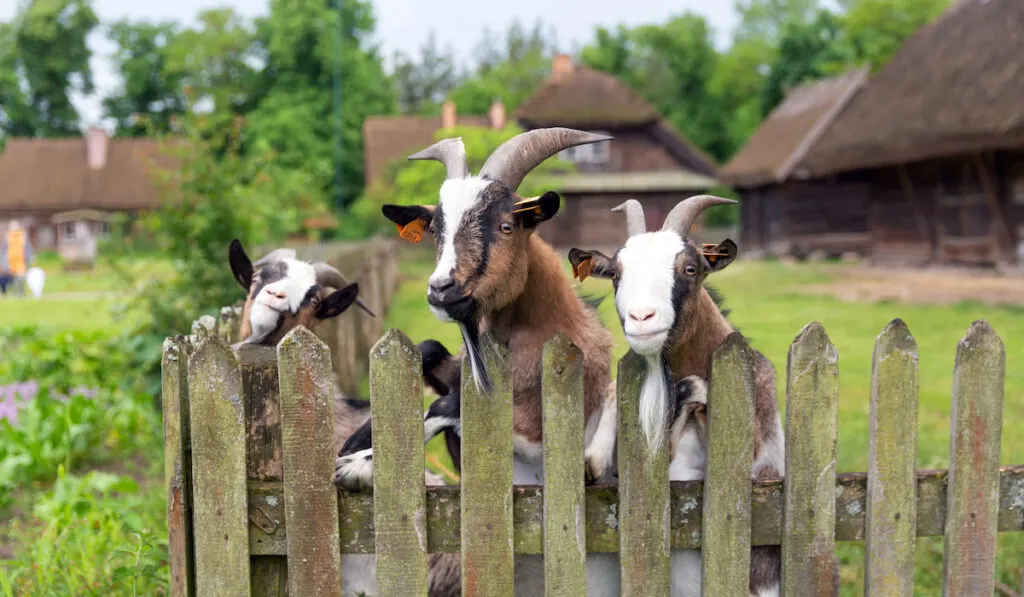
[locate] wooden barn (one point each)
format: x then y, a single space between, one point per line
935 143
780 213
647 160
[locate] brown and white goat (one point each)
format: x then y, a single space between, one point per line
674 322
283 293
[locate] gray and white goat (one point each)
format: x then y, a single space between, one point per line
282 293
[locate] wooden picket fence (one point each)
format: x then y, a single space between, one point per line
252 510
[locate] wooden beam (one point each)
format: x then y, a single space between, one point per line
919 215
993 199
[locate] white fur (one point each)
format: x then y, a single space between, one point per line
773 452
433 425
600 451
458 196
686 572
647 278
470 354
268 306
358 574
773 591
355 470
689 457
654 404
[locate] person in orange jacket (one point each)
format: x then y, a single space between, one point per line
15 257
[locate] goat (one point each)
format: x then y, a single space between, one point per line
671 320
494 274
283 293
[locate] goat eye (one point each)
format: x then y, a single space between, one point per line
506 227
691 270
314 301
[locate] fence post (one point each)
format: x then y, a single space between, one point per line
217 418
725 530
178 466
307 435
486 505
264 447
399 499
565 547
643 492
891 518
975 431
812 418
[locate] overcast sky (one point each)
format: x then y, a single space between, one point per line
404 24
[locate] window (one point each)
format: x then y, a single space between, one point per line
68 231
103 229
593 153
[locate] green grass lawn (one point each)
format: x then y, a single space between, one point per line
770 310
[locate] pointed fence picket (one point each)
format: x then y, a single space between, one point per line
251 509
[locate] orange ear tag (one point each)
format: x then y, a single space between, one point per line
413 231
582 272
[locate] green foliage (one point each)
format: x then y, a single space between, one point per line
90 535
418 182
876 29
44 58
422 83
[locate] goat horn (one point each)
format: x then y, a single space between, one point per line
274 256
635 221
450 152
326 275
513 159
686 211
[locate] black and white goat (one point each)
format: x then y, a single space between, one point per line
674 322
283 293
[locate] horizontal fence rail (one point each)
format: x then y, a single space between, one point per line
252 510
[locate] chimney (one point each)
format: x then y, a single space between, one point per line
447 114
497 114
96 142
561 65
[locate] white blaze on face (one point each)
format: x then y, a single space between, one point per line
458 196
280 296
644 293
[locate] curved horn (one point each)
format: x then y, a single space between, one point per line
275 255
686 211
450 152
513 159
636 223
326 275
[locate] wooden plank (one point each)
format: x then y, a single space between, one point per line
307 432
565 548
891 516
725 527
486 507
267 533
975 437
264 448
400 504
643 485
919 215
220 518
177 467
812 418
229 324
992 198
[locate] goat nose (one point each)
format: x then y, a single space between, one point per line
641 314
441 285
276 293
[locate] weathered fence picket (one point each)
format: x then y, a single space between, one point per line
891 517
487 549
399 500
975 433
565 545
812 420
730 439
220 510
643 485
251 510
307 436
178 466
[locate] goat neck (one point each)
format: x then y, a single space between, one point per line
699 330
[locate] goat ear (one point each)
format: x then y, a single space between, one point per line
535 210
591 263
336 302
721 255
411 220
241 265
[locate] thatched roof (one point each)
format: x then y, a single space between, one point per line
54 174
956 86
390 138
582 98
786 134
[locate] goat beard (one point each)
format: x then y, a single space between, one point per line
470 328
263 321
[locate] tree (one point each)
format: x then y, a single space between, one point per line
766 20
306 52
424 82
44 58
876 29
150 91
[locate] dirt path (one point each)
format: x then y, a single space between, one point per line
941 286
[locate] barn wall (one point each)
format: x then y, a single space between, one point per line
633 150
